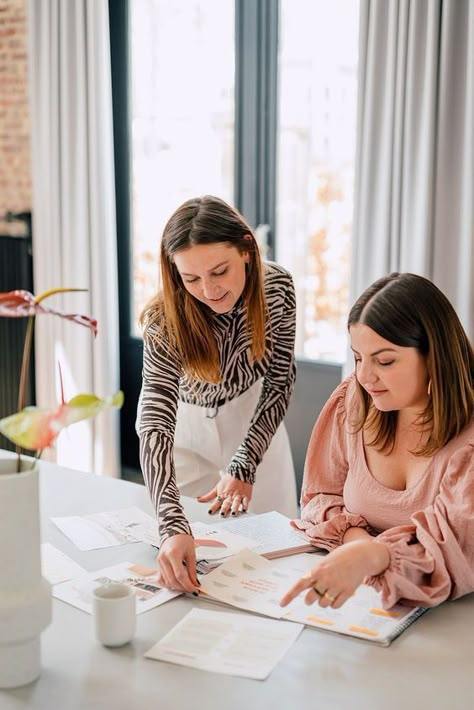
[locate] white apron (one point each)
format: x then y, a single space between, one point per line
205 443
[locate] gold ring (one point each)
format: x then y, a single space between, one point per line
320 594
328 596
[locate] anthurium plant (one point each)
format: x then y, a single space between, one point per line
33 428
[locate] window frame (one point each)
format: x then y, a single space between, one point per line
256 116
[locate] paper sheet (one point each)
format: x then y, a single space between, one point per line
272 530
78 592
115 527
222 642
218 544
247 581
56 566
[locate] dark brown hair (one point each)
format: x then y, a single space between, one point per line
204 220
410 311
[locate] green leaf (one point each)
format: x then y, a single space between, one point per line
85 406
34 428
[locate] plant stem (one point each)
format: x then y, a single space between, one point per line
25 363
37 457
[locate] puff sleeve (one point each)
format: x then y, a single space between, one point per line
324 518
432 559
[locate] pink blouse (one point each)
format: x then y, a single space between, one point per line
427 528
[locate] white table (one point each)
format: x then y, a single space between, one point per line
430 666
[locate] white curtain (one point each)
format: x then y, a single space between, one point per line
415 164
74 235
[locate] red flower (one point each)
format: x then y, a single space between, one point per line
22 304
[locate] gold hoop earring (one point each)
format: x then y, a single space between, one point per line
429 388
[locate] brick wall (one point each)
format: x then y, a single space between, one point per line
15 169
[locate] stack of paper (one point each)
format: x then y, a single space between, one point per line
273 532
269 534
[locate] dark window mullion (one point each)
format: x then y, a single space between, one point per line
256 109
119 52
267 115
246 102
131 348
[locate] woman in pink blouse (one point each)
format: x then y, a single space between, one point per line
388 485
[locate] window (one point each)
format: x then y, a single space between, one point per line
317 69
252 100
182 119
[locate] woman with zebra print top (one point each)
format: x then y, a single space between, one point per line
218 373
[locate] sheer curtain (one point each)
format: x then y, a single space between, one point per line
415 163
74 235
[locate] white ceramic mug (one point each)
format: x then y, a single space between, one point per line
115 612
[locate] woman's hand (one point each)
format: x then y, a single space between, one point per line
229 496
177 564
338 575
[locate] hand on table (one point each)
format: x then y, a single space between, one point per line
177 564
229 496
338 575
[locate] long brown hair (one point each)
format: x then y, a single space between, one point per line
410 311
184 320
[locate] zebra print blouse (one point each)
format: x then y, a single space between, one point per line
164 382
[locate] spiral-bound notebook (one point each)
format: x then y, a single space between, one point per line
251 582
362 616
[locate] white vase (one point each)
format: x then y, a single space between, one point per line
25 597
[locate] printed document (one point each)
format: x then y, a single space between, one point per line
362 615
56 566
246 581
273 531
108 529
230 643
214 543
78 592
